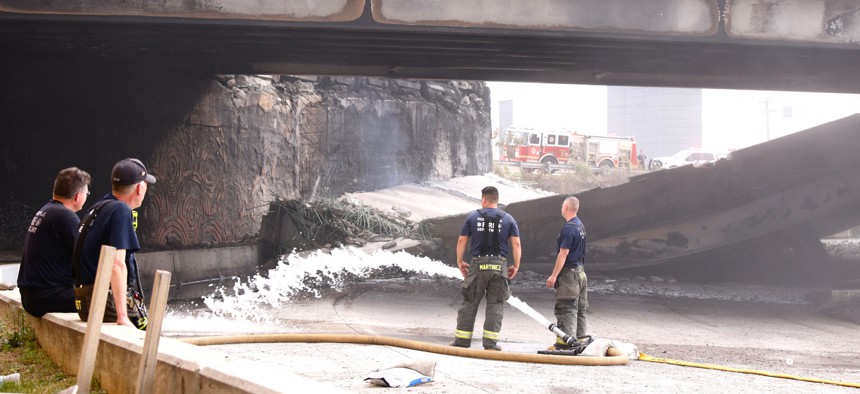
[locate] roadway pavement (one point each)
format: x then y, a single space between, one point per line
778 330
792 331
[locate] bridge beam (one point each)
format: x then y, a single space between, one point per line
745 44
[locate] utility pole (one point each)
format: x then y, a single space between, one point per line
767 112
767 117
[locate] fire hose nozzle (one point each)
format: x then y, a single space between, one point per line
561 334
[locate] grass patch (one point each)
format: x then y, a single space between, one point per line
20 353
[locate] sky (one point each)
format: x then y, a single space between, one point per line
731 119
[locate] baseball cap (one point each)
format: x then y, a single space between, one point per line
130 172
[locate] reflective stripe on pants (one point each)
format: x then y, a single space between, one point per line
491 335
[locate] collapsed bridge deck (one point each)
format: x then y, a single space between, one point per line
786 193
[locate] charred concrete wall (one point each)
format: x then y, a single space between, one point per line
224 146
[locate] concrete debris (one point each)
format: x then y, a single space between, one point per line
402 212
355 241
713 220
297 225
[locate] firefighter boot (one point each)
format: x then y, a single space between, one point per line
559 346
458 342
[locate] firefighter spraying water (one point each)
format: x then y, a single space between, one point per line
249 300
576 344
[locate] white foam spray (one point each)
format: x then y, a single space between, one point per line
249 300
303 275
529 311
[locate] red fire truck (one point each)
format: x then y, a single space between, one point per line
564 147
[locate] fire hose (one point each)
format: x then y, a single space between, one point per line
645 357
613 356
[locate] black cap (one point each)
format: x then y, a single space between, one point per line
130 172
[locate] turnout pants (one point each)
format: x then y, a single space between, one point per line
571 301
135 308
488 279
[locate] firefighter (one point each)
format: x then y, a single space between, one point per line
494 235
112 221
643 160
568 275
45 275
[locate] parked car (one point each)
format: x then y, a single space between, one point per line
684 157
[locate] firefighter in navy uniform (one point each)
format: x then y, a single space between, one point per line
568 276
112 221
494 235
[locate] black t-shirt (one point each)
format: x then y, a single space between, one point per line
48 245
572 237
112 227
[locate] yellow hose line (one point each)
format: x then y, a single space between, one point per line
614 356
645 357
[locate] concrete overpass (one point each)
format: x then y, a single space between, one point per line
738 44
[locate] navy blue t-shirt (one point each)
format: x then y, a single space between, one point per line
113 227
572 237
509 229
47 258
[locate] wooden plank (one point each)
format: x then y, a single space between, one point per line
94 319
149 358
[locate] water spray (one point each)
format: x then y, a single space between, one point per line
257 298
576 346
252 299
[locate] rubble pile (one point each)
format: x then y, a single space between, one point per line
296 225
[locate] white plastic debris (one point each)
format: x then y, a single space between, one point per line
406 374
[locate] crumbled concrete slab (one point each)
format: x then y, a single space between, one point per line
443 198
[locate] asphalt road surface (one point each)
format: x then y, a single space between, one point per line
780 330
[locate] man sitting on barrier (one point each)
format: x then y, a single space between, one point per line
112 222
45 276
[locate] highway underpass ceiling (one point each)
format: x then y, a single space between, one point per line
741 44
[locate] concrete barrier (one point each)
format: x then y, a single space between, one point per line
195 265
181 367
186 266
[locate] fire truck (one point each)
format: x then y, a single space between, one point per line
564 147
